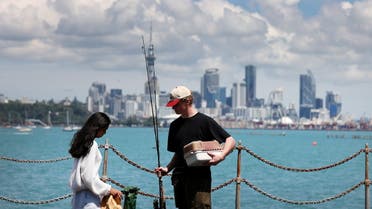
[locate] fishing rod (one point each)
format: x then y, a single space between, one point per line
154 121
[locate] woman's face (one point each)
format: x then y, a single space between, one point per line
101 132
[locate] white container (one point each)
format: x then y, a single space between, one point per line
198 158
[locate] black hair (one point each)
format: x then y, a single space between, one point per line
83 139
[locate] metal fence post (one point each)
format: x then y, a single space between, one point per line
366 181
238 178
105 161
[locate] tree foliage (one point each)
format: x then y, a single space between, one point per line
16 112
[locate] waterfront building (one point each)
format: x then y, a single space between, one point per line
131 108
333 104
115 102
197 99
275 102
164 111
275 97
320 116
259 102
163 98
3 99
238 94
305 111
250 82
222 95
210 87
241 113
214 112
318 103
307 94
292 113
258 114
96 100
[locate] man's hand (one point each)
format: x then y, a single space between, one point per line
217 157
161 171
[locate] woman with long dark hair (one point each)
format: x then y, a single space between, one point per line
87 187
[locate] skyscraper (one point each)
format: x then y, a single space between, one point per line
210 86
115 102
333 104
307 94
238 95
97 97
250 82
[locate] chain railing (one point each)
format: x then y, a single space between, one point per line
34 161
238 179
303 169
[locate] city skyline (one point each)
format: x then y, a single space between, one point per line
56 49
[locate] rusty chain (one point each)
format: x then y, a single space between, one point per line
223 185
302 202
237 180
34 161
29 202
122 156
302 169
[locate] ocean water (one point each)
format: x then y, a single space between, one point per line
299 149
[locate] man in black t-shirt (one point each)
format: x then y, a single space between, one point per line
192 185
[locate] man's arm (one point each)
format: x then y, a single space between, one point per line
162 171
227 149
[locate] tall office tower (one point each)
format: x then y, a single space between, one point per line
318 103
238 95
197 99
222 95
96 97
210 86
250 82
333 104
307 94
115 102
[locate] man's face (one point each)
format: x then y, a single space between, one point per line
180 107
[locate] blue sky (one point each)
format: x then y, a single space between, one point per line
57 49
309 8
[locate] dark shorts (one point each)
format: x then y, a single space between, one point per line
192 192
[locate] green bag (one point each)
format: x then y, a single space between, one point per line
130 197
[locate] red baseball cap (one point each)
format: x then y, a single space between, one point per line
177 94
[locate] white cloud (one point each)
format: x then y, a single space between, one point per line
38 50
354 73
347 6
190 36
25 20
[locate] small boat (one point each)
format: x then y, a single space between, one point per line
68 127
76 128
24 129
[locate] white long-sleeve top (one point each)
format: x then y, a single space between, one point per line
84 175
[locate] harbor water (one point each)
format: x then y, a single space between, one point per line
295 149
